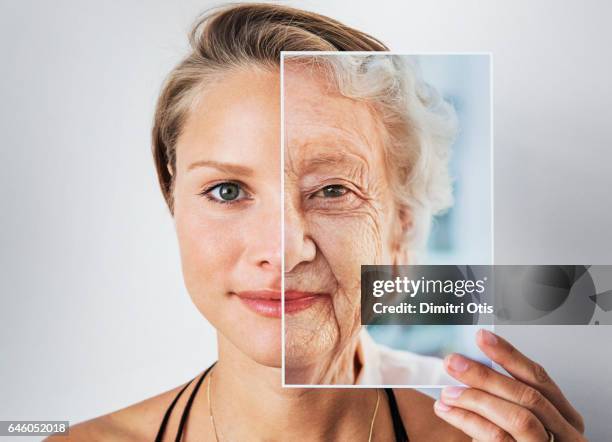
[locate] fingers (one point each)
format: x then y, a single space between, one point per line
529 372
488 380
475 426
519 422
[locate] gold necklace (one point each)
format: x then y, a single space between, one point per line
212 419
210 413
374 415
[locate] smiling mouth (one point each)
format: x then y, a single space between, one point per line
268 303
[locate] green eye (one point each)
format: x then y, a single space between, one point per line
226 193
333 191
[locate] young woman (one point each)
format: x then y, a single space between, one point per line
216 146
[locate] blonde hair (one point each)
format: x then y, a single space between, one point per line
232 37
420 126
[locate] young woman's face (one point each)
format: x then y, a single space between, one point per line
227 210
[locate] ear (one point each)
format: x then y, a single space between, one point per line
402 223
170 171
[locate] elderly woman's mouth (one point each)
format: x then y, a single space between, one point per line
268 302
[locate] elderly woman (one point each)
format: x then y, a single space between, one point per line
216 146
366 165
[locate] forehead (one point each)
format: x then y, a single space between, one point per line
322 126
234 119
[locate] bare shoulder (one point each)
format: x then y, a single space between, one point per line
137 422
416 409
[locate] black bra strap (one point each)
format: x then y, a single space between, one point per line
164 424
187 409
398 425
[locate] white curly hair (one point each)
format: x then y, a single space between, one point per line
420 129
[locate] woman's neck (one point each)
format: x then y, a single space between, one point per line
249 403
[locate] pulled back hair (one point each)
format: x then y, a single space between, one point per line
232 37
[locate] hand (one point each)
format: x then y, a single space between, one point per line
496 407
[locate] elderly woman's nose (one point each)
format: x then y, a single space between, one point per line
299 247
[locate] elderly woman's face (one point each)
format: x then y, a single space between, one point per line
339 212
227 210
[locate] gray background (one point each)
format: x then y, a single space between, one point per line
93 313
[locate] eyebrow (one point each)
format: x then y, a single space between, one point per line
223 167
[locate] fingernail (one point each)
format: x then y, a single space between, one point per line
441 406
452 392
457 363
488 337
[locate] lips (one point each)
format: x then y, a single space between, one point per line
268 302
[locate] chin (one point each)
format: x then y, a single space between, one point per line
245 333
257 337
264 346
304 346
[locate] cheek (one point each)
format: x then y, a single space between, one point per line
346 242
206 254
349 240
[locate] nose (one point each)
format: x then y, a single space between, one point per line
299 247
265 240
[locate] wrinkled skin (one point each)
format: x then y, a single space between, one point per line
331 141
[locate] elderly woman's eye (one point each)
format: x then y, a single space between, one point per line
224 193
333 191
